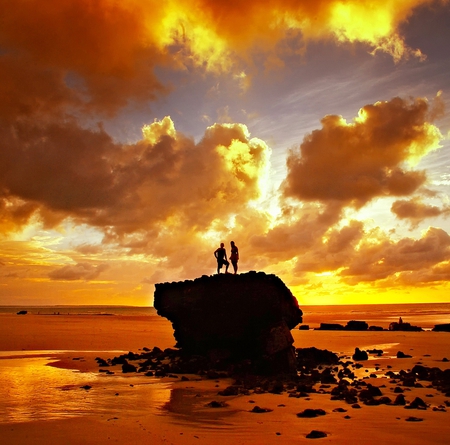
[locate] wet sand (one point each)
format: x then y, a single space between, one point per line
45 404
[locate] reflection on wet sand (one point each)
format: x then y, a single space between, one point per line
190 405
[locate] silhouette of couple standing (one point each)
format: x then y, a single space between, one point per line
221 257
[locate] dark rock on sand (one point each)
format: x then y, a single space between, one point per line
378 352
315 434
233 317
400 400
413 419
310 413
417 403
401 354
257 409
369 393
312 357
22 313
360 355
128 367
216 404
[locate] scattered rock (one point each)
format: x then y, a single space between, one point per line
401 354
312 357
216 404
360 355
377 352
413 419
310 413
417 403
257 409
128 367
315 434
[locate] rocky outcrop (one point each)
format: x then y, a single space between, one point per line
234 318
356 325
402 326
442 327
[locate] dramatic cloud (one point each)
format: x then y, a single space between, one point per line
386 258
354 163
415 210
101 56
164 179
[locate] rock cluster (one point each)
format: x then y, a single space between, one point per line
396 326
352 325
233 317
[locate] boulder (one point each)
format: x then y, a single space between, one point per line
233 317
360 355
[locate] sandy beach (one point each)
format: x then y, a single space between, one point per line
53 393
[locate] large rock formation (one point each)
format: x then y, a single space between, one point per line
233 318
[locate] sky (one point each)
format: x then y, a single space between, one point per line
137 135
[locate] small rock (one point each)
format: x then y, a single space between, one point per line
216 404
315 434
309 412
414 419
401 354
258 409
360 355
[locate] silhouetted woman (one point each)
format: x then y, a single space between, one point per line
234 257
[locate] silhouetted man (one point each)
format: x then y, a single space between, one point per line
221 257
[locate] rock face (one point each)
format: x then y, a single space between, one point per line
233 317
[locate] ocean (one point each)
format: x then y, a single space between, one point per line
425 315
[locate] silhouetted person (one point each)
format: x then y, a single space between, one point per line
221 257
234 257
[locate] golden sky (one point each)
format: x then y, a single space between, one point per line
135 136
